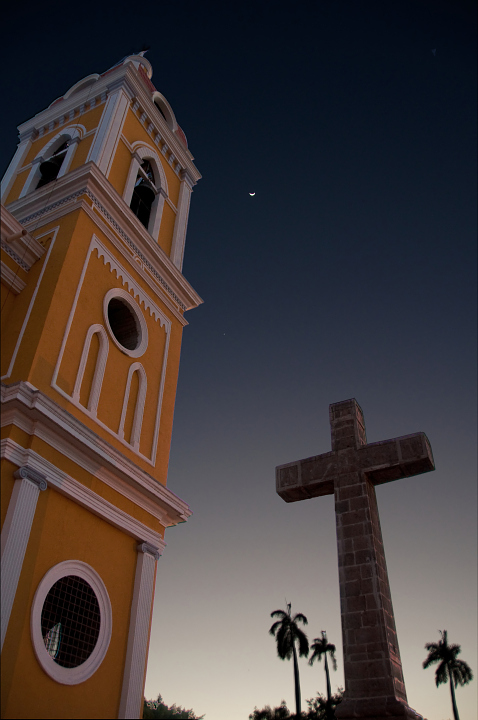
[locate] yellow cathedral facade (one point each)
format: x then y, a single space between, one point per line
95 207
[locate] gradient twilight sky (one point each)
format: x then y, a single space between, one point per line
350 273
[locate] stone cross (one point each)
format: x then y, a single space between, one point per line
374 686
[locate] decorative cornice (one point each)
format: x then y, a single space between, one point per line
14 256
129 80
87 180
37 414
18 243
10 278
117 227
135 249
28 473
52 206
82 495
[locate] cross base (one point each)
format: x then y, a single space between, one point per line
384 708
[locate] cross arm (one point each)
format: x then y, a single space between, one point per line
397 458
307 478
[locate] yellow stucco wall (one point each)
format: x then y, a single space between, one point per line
41 343
63 530
120 167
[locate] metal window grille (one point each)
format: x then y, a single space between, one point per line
70 621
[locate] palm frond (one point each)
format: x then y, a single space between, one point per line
441 674
461 673
302 618
274 627
454 650
303 642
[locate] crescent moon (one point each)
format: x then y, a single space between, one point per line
252 194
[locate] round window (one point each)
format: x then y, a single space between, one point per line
70 621
125 322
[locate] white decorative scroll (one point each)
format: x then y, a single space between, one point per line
16 533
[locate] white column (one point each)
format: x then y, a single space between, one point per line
131 179
181 223
131 704
110 127
33 177
65 166
16 533
9 177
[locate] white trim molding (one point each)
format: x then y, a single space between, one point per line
87 81
138 315
75 675
54 232
132 84
11 280
154 311
16 163
140 151
136 654
15 535
18 242
38 415
181 222
109 128
79 493
93 399
86 183
139 405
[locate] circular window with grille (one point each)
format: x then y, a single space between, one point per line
125 322
71 622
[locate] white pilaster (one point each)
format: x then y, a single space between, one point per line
65 166
9 177
131 179
110 126
131 704
33 176
16 533
181 223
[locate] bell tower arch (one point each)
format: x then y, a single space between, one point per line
95 205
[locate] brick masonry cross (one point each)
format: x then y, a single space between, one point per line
374 686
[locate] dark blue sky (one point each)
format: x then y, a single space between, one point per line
350 273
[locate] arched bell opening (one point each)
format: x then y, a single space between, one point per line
144 193
158 106
50 168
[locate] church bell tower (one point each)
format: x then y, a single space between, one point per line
95 210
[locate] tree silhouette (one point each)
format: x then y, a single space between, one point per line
320 647
457 671
287 634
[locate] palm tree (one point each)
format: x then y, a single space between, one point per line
320 646
456 670
287 635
